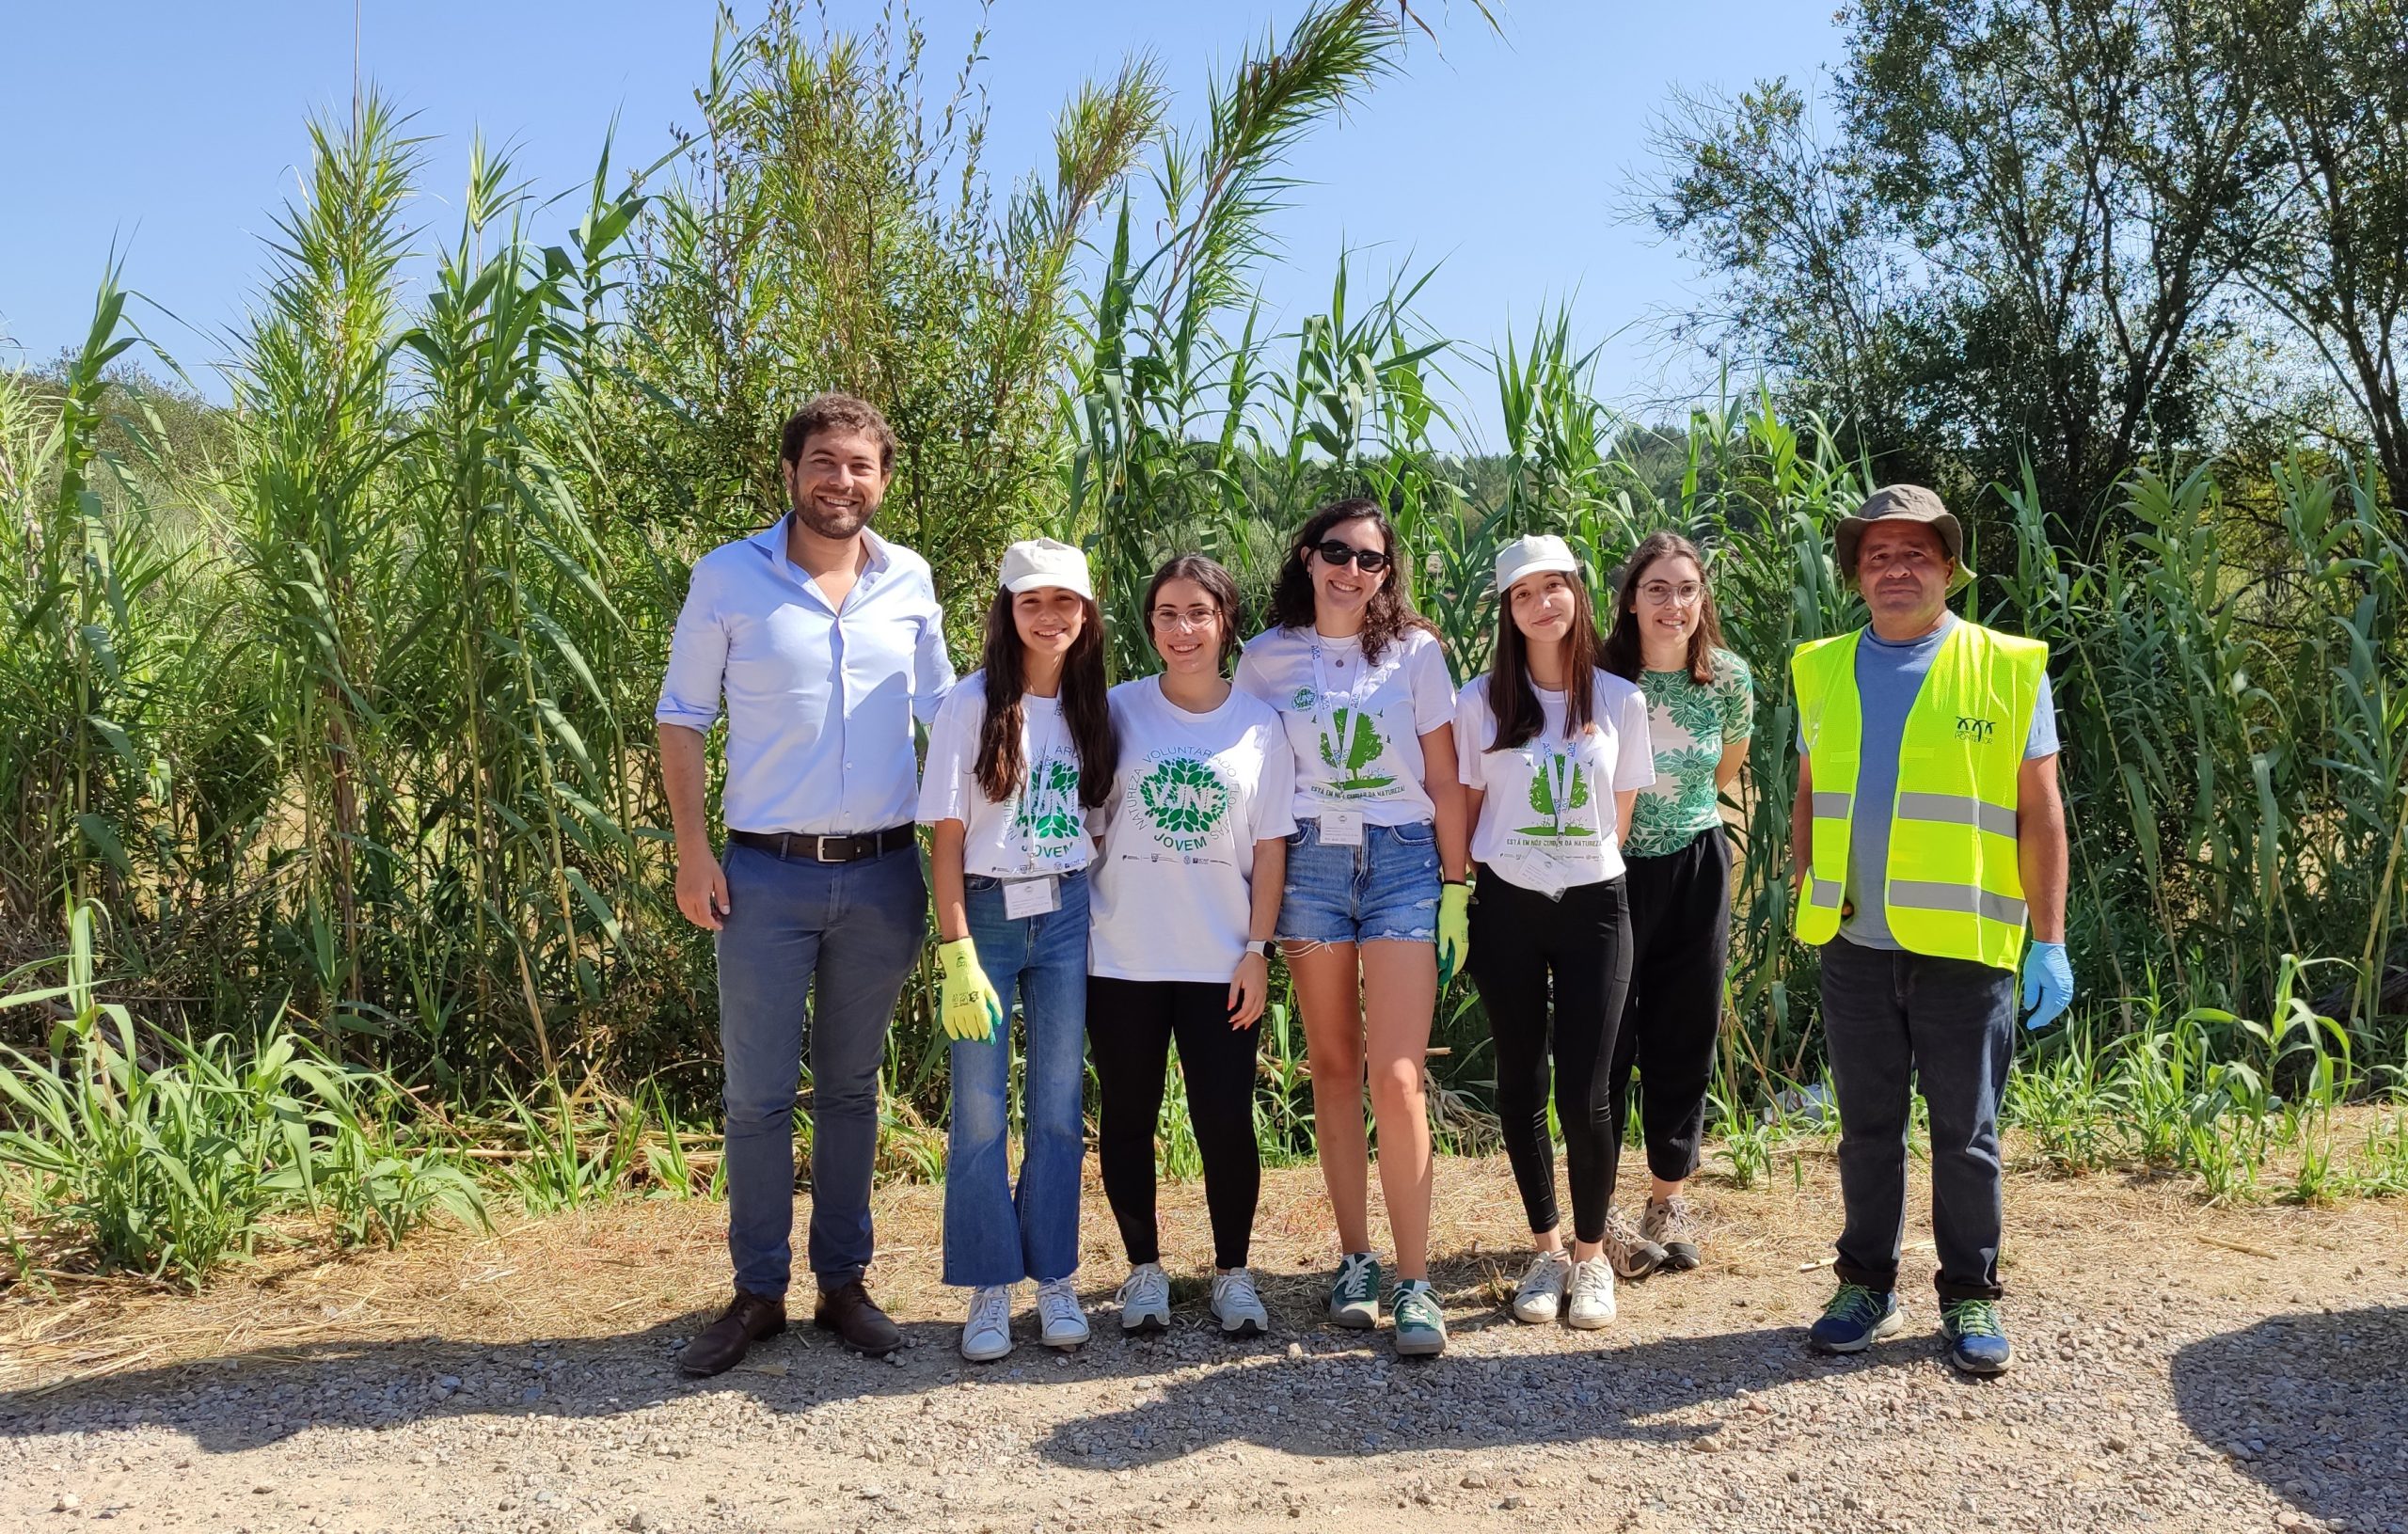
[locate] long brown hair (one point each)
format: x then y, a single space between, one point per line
1390 612
1624 656
1218 584
1513 700
998 769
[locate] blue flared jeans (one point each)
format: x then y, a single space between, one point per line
995 1233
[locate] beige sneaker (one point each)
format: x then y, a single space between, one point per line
1633 1255
1673 1225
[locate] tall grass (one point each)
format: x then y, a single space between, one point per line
335 730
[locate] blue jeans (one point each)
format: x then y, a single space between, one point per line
854 930
1897 1023
993 1234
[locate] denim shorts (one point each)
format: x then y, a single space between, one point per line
1386 889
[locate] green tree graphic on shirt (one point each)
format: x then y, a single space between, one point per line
1351 742
1575 796
1047 805
1184 800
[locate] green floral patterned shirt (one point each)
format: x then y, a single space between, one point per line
1689 726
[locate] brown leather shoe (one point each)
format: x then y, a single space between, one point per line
854 1316
722 1344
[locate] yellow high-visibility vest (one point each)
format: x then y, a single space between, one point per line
1953 887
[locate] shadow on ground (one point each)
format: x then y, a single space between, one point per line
1345 1395
2311 1404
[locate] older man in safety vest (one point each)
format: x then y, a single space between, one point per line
1928 831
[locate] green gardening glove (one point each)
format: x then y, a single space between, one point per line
970 1008
1455 931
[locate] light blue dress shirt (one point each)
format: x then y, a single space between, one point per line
819 701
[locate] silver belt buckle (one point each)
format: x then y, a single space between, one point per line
820 850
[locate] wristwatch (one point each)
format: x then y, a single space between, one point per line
1259 946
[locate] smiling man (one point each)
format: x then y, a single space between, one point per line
1927 834
825 641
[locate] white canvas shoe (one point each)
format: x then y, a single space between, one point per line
1539 1298
1060 1323
986 1336
1593 1294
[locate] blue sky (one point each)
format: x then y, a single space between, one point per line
174 132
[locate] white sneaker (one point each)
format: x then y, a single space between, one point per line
1145 1298
1237 1307
1539 1298
986 1336
1593 1294
1060 1323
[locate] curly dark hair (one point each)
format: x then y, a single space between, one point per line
1622 653
833 412
1391 615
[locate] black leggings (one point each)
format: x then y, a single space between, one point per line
1129 1026
1680 929
1518 938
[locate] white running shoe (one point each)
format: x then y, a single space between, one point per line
986 1336
1539 1298
1593 1294
1060 1323
1237 1307
1145 1298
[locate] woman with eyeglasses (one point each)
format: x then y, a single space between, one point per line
1554 751
1185 898
1370 933
1700 703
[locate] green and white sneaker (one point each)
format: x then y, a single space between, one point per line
1354 1298
1420 1325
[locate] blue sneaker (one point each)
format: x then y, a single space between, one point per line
1856 1319
1976 1342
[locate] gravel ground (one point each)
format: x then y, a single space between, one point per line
2178 1368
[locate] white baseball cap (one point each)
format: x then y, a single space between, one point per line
1533 554
1046 562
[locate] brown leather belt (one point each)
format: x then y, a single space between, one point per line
807 848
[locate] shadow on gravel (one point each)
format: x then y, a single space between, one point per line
1344 1394
2313 1405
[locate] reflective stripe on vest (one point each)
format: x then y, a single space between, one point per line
1954 886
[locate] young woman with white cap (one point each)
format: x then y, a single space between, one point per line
1370 931
1018 754
1553 750
1186 893
1667 638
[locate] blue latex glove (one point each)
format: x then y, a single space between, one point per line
2047 983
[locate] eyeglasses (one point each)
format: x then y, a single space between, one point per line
1336 552
1663 593
1175 619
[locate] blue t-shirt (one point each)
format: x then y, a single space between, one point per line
1888 676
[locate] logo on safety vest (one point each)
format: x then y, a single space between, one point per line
1976 730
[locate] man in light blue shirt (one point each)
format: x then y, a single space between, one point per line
826 642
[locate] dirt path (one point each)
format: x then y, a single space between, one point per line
2179 1369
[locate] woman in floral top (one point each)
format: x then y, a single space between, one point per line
1700 698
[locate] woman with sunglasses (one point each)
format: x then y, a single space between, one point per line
1019 751
1700 699
1361 684
1185 899
1554 751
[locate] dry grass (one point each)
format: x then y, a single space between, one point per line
635 1264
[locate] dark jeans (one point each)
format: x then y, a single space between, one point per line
1680 937
1898 1023
1518 938
847 935
1131 1024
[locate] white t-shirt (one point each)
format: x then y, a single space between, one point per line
1042 829
1543 824
1172 896
1356 734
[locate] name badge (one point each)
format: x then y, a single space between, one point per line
1031 896
1341 827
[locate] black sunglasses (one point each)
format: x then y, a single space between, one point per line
1337 551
